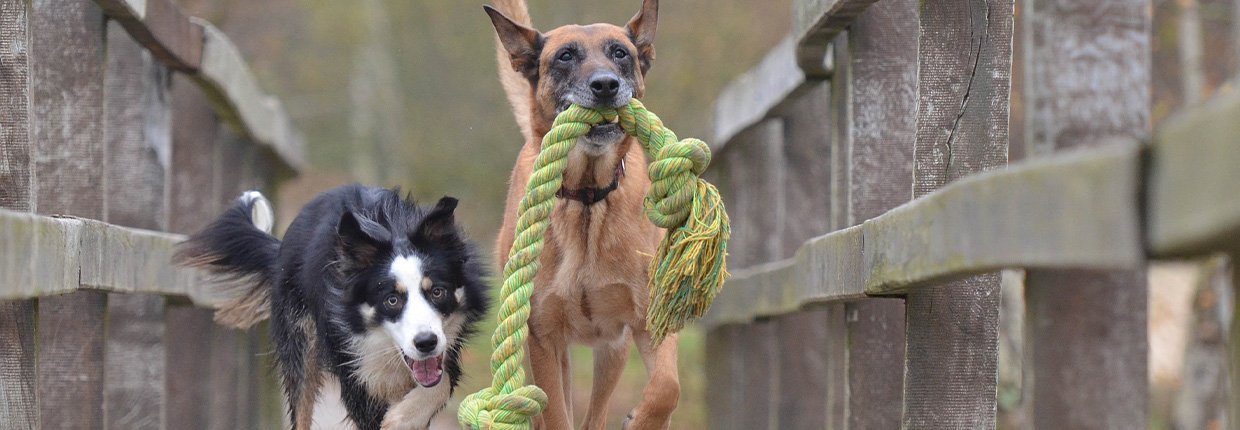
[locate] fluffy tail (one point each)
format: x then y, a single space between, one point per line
240 251
515 86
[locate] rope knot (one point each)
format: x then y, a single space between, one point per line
486 410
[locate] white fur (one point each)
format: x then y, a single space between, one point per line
260 211
368 313
380 366
417 408
418 316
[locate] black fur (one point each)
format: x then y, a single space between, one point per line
336 257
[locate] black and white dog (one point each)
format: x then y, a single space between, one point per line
366 287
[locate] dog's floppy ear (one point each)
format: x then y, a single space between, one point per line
641 30
440 222
522 43
359 241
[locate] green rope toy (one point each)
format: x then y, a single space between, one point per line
687 271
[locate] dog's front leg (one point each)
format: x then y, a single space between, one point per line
417 408
546 360
662 391
609 360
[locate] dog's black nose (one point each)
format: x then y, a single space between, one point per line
425 342
604 86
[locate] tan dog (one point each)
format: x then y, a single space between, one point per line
592 285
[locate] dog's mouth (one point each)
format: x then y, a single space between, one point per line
604 132
427 372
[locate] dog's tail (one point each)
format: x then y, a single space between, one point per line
515 86
239 250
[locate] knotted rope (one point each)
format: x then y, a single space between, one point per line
686 273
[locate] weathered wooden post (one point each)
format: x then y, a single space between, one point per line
17 326
1087 80
137 135
66 55
952 329
882 88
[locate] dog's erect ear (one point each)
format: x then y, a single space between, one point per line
440 222
522 43
641 30
358 242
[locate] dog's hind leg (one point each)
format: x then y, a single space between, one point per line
609 361
546 360
662 391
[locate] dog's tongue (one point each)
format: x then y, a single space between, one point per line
427 372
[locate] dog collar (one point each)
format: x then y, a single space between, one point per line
589 196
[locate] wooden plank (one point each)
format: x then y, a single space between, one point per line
1087 72
750 97
815 23
231 87
66 99
951 358
725 402
875 356
841 132
18 404
188 367
882 130
802 341
1068 377
194 131
137 134
884 106
924 242
835 373
224 382
70 360
804 352
16 172
43 256
756 348
807 119
826 269
755 194
942 236
161 27
1192 178
134 356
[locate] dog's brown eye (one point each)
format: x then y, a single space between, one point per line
620 54
392 300
566 56
438 292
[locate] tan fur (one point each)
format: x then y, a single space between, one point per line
591 288
515 86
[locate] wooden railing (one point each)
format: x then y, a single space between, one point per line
123 126
864 162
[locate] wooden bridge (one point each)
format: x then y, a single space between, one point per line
866 166
865 161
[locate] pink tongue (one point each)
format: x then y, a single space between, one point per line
427 372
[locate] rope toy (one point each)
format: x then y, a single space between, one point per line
687 271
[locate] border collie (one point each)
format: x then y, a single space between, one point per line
366 287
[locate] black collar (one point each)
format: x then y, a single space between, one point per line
589 196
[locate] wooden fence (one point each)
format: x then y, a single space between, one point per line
865 161
123 125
